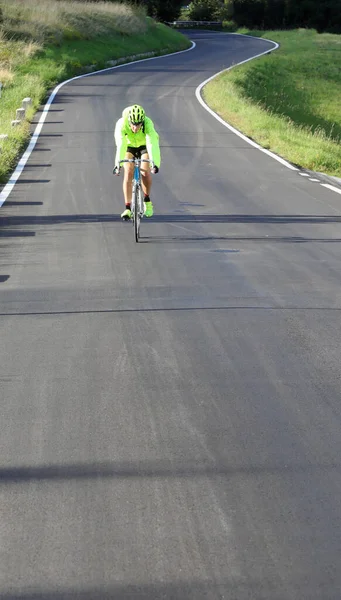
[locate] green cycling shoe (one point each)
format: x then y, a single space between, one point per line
148 209
126 215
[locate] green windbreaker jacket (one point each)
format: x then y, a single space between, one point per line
146 136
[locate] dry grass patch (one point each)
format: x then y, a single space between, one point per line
31 48
6 76
48 21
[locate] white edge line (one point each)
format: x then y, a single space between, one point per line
23 160
331 187
241 135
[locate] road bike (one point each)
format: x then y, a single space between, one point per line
137 203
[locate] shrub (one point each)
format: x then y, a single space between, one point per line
203 10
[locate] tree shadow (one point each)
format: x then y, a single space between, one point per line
183 590
61 98
11 226
163 239
241 218
68 98
35 165
161 468
15 221
32 181
9 233
22 203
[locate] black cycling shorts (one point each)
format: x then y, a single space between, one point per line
137 152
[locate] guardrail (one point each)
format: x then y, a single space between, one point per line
190 24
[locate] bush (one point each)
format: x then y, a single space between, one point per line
162 10
323 15
204 10
224 13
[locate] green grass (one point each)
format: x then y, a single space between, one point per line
44 42
288 101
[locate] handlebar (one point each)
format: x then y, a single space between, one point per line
137 161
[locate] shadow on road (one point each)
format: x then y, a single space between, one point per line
153 469
8 233
32 181
13 221
9 225
161 239
22 203
184 590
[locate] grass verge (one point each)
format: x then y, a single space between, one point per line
44 42
288 101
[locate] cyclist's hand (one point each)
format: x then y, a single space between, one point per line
116 170
155 169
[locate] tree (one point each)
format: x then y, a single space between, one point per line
205 10
249 13
163 10
323 15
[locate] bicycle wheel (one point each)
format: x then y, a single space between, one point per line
140 206
136 213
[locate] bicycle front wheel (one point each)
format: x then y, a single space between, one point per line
136 213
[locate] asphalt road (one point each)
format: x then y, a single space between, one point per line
170 410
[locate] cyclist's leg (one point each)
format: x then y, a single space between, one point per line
127 185
146 185
128 178
146 175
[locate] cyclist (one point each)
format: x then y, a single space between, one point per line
135 136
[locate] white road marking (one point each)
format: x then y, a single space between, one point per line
331 187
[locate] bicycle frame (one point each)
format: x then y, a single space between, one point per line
137 204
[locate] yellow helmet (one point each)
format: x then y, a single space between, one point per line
136 114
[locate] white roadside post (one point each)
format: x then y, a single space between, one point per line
26 102
20 114
3 137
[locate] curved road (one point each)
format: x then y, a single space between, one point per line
170 410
